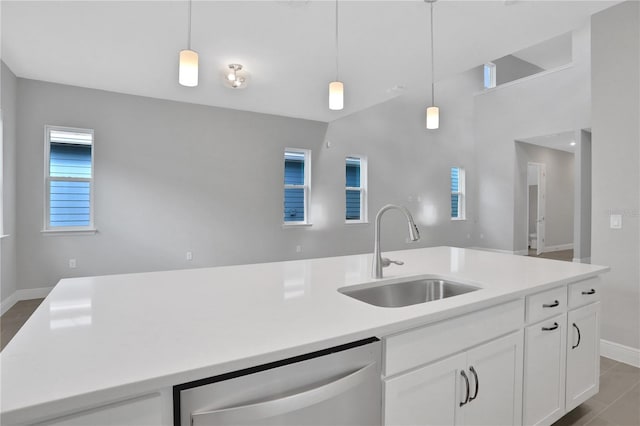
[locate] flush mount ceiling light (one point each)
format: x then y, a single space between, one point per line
188 68
236 77
433 112
336 88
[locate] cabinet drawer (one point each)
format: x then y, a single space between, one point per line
546 304
584 292
423 345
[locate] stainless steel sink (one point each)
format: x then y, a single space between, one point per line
408 292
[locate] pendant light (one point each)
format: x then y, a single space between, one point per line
336 88
188 68
433 112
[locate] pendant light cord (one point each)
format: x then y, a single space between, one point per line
432 62
189 35
337 45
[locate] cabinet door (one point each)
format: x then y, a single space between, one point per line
142 411
427 396
495 371
583 354
544 371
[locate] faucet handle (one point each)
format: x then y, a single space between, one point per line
386 262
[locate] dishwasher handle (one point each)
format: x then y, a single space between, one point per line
273 407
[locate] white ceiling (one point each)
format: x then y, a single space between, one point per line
561 141
287 46
549 54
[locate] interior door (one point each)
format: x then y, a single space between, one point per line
542 207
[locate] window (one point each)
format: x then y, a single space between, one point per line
356 196
489 75
68 179
297 176
457 194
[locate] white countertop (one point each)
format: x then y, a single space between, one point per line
99 339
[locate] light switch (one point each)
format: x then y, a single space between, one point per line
615 221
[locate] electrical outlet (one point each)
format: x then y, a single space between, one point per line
298 249
72 263
189 255
615 221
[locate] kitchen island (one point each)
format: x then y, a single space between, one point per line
125 340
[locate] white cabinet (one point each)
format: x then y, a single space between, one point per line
583 352
544 371
148 410
482 386
561 362
427 396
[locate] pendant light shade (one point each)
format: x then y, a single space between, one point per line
188 64
336 95
188 70
336 87
433 112
433 117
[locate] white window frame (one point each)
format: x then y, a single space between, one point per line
363 189
492 75
47 228
462 184
306 186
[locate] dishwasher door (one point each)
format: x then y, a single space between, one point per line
337 386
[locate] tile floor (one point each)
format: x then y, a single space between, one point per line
617 403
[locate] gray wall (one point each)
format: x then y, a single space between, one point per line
559 188
543 105
409 165
8 281
616 176
172 177
582 202
169 177
510 68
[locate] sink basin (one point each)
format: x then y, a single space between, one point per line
408 292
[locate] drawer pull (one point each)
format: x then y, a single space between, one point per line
586 293
466 381
475 375
579 337
555 326
551 305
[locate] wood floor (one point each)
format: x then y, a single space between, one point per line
566 255
617 403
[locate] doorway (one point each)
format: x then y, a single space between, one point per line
536 207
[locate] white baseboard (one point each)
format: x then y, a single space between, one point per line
559 247
498 250
620 353
25 294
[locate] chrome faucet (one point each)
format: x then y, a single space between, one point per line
380 262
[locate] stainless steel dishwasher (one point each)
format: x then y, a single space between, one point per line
335 386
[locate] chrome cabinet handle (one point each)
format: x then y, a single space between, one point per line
586 293
551 305
248 414
466 380
579 337
475 375
555 326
